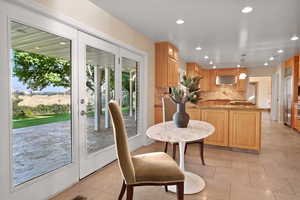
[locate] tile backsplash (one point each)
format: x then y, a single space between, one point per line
224 92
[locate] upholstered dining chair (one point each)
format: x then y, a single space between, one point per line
146 169
169 108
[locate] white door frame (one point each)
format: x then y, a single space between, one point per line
53 182
93 161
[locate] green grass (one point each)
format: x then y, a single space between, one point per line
21 122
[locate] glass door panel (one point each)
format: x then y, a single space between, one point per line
130 95
41 102
98 69
100 89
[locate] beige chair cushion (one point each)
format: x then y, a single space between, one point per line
156 167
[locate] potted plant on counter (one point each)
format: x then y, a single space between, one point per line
188 91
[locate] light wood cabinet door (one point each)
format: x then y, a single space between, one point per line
194 113
212 80
170 51
245 129
158 116
161 68
204 82
166 65
219 119
172 72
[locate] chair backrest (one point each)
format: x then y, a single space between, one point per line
121 140
169 108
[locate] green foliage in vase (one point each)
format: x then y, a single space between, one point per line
188 91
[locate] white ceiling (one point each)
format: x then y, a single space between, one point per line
218 26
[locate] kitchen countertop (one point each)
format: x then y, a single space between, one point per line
226 107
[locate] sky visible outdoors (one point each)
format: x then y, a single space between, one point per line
19 86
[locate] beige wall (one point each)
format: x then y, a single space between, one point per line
89 14
264 90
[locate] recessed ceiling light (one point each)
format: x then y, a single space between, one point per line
211 62
179 21
280 51
238 66
214 67
62 43
266 64
271 58
247 9
206 57
294 38
198 48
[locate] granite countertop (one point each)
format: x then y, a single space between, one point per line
227 107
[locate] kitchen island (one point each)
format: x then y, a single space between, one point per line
237 126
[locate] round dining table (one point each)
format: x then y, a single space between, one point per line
168 132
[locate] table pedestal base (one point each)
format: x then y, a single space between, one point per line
192 184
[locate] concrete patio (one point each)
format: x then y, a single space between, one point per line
40 149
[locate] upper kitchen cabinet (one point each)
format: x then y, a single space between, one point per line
193 69
205 81
166 65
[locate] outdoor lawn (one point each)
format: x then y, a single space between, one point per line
25 121
21 122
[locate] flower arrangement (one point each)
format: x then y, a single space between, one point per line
188 90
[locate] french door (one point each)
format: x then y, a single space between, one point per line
39 109
106 72
55 86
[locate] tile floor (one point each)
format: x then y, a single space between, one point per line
274 174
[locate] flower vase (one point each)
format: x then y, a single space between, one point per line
181 118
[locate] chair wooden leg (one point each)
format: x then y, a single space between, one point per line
166 188
122 191
129 195
180 191
166 147
202 151
174 151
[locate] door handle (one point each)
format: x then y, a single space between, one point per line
82 113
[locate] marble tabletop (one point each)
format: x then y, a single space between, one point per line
168 132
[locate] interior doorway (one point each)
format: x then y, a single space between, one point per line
260 91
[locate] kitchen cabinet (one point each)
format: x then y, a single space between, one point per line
204 82
219 119
166 65
193 69
158 116
296 121
212 80
245 129
173 76
194 113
